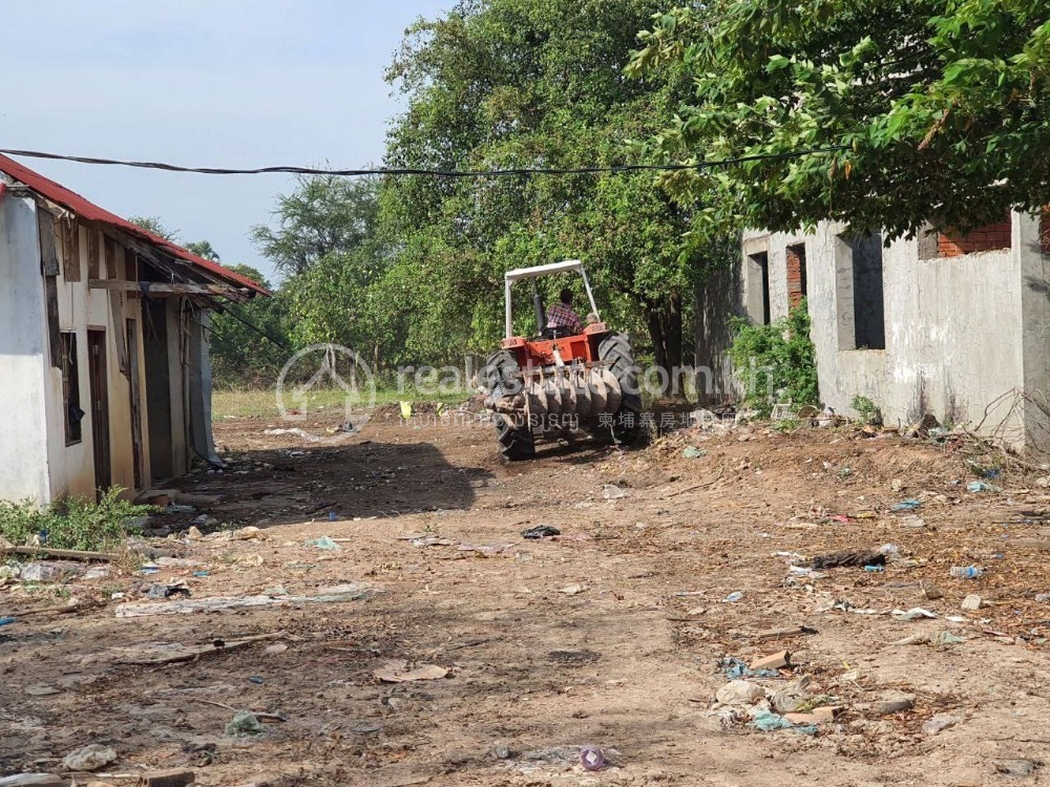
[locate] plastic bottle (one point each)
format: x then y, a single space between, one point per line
592 758
965 572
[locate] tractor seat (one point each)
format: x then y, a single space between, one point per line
559 332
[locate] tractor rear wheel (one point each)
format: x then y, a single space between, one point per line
615 350
497 378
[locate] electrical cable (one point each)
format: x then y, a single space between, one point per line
405 171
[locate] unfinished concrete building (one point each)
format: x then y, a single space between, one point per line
952 325
104 360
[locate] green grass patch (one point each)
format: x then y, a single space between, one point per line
262 403
75 523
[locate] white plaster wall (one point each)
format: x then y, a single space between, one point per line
24 355
953 333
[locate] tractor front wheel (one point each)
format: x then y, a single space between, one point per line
498 377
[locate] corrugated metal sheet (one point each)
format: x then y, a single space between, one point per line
92 212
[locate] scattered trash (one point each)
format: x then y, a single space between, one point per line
1042 598
9 620
1016 768
943 639
274 649
613 492
735 669
501 752
572 590
168 591
965 572
912 521
740 692
941 721
971 602
734 597
324 542
906 505
772 663
245 534
842 559
200 574
256 679
90 758
431 541
591 758
42 572
981 486
767 721
397 671
692 452
912 614
244 723
540 531
876 569
332 516
336 594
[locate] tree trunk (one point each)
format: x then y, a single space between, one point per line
664 320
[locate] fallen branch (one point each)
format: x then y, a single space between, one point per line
70 554
721 472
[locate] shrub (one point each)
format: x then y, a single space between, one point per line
75 523
776 362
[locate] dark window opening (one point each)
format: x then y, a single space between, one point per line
71 388
861 299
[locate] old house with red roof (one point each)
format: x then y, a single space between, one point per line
104 366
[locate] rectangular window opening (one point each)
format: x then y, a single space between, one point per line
796 274
758 288
861 310
71 388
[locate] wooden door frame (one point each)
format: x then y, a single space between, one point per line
98 396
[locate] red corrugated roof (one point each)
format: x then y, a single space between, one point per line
92 212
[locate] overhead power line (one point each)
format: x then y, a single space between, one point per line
516 171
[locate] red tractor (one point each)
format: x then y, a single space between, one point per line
562 380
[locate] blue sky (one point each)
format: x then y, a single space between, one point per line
231 83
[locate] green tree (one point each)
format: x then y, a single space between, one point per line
250 341
504 84
153 224
203 248
324 215
932 110
326 242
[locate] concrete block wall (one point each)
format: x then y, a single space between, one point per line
961 333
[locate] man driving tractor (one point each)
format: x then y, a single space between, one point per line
562 315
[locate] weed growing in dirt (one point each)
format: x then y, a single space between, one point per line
776 362
75 523
869 412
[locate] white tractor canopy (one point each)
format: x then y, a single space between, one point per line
566 266
542 270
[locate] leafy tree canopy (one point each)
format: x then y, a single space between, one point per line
938 110
325 214
153 224
499 84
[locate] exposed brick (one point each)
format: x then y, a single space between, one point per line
796 275
992 237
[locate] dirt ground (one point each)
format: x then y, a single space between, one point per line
610 635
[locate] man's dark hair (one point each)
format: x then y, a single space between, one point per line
566 296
